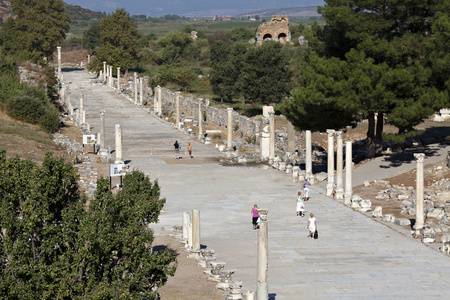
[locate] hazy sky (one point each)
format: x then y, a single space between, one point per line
156 8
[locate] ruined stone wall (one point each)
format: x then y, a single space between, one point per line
217 116
276 29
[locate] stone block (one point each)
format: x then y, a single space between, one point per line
365 203
389 218
241 160
378 212
445 238
403 222
427 240
403 197
407 203
366 183
282 166
412 211
222 148
321 176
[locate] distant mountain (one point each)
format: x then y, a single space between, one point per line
304 11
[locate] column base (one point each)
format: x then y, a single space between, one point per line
119 162
339 194
348 198
330 188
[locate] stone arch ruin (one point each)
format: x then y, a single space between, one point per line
276 29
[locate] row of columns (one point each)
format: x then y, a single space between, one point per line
338 187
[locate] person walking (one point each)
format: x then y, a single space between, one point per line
305 187
255 216
190 150
177 150
300 205
312 226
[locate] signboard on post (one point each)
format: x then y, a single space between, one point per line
115 170
88 139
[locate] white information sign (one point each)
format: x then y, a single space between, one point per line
115 170
88 139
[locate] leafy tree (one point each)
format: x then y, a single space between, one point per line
385 49
36 26
264 77
53 247
175 46
226 63
241 34
184 76
92 38
120 37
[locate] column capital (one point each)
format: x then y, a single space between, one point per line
419 157
104 62
229 109
271 113
338 134
331 132
263 214
59 47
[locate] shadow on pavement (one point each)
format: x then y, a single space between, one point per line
407 156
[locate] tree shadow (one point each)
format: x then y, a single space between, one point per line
272 296
407 155
71 69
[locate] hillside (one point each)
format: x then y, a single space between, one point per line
77 13
304 11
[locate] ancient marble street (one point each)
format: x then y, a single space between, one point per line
354 257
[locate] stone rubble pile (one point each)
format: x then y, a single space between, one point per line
436 206
87 173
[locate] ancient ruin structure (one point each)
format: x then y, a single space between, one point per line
277 29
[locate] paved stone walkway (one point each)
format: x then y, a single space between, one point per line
355 256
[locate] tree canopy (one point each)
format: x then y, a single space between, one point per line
384 54
53 246
36 26
119 36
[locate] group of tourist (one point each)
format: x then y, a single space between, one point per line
178 147
301 198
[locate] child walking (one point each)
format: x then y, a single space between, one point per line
300 205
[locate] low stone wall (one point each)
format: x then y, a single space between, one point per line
217 116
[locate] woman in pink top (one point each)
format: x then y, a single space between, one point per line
255 216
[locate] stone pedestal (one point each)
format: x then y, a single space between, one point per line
308 160
339 167
348 173
195 230
177 108
263 250
420 217
291 138
118 79
119 159
200 119
230 129
330 162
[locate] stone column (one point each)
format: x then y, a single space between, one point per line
330 162
177 117
104 71
291 138
195 230
263 251
308 161
339 167
118 79
81 109
272 134
141 91
200 119
265 138
89 59
420 216
102 150
230 129
159 101
119 159
348 173
59 60
186 221
135 88
111 76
